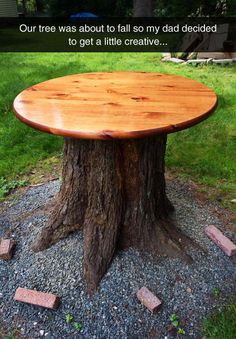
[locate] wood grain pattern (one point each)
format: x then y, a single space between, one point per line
115 105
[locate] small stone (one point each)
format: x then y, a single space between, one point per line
148 299
233 201
35 323
188 289
41 332
227 246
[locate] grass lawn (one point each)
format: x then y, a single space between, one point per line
206 153
221 324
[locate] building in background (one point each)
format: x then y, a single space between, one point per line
8 8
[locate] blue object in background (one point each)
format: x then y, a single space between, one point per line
82 15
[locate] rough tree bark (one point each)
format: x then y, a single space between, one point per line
143 8
115 191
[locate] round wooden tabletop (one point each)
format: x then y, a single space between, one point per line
115 105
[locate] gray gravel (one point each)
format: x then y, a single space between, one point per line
114 311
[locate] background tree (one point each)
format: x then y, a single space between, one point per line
40 5
137 8
143 8
24 6
100 8
183 8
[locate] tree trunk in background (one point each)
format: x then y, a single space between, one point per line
142 8
24 6
115 191
39 5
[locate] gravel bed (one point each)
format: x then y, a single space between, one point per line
113 311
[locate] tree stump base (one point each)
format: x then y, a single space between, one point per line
115 191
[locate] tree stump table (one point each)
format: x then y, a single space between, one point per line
115 127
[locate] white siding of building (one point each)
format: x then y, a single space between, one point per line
8 8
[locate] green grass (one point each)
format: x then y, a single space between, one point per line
205 152
222 324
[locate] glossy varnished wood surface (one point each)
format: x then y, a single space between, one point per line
115 105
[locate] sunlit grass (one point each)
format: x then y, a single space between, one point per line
221 324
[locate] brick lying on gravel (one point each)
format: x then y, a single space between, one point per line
6 248
148 299
221 240
37 298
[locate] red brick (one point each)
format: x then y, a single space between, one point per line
220 240
37 298
148 299
6 248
